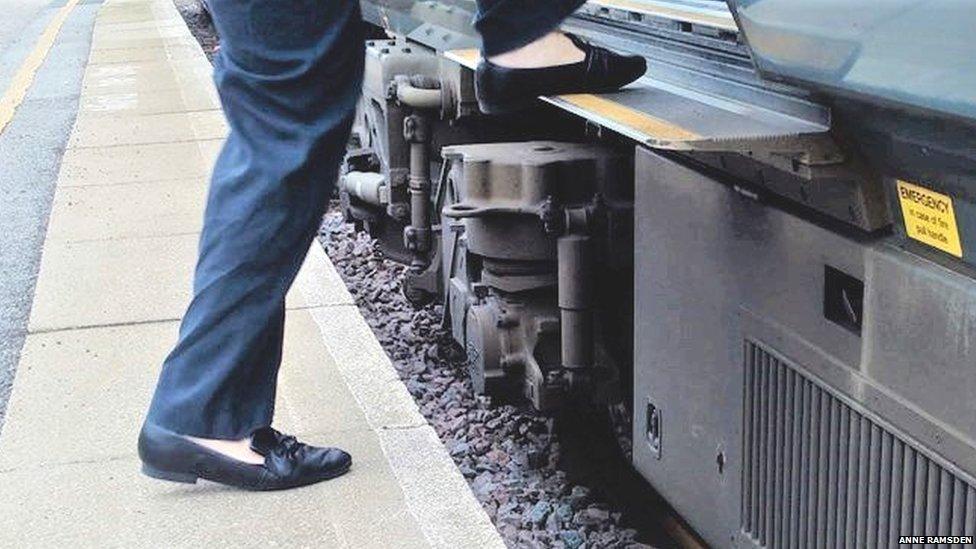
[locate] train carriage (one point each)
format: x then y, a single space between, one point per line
766 247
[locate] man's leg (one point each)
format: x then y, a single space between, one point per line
289 74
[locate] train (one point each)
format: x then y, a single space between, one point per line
765 249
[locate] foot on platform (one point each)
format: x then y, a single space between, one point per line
286 463
555 64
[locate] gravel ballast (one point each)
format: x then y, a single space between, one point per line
511 458
198 20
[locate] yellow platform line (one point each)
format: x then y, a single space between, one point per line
24 77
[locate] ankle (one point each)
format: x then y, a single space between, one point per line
551 50
234 449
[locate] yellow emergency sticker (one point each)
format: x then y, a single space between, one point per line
929 217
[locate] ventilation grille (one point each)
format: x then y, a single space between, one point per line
817 473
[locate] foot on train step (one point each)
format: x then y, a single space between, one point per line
504 84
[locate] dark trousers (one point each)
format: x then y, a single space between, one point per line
289 75
505 25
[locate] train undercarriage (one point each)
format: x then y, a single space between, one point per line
734 255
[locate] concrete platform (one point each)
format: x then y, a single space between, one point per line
113 283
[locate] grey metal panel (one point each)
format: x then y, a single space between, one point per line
933 509
706 13
714 268
915 52
926 345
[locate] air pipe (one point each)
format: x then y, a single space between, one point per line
423 94
574 263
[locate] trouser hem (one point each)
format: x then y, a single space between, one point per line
508 25
212 434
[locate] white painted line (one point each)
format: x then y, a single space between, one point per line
319 283
436 493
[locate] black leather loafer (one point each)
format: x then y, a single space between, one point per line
501 90
287 463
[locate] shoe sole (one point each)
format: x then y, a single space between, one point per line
521 105
191 478
511 107
185 478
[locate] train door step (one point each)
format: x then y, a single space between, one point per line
684 117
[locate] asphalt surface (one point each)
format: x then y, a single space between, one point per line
31 148
15 14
